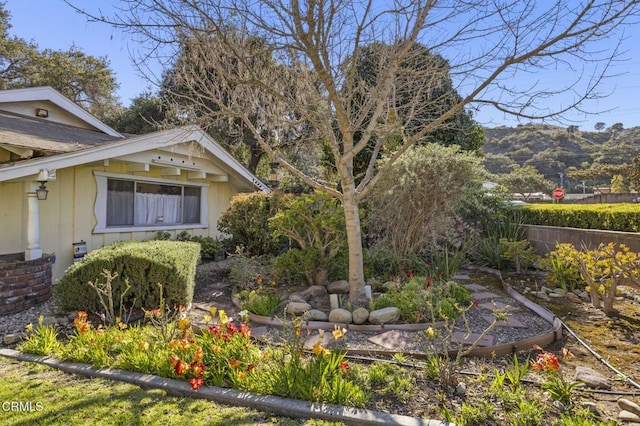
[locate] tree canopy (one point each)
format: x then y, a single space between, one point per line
485 43
85 79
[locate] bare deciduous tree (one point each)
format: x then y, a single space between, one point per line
314 45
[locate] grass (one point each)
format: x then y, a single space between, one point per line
69 399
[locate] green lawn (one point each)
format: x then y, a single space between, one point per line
45 396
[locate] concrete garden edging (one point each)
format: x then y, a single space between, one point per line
274 404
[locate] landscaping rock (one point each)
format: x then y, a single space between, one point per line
10 339
297 308
559 291
389 285
384 316
315 315
54 320
584 295
314 291
541 295
627 416
360 316
461 389
572 298
338 287
591 406
591 378
296 298
341 316
628 405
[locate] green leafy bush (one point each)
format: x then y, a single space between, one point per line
143 263
247 223
209 247
422 300
263 302
562 268
316 222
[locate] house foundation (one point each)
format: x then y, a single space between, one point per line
24 283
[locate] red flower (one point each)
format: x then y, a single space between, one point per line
250 367
409 274
545 361
196 383
244 330
181 368
344 365
475 304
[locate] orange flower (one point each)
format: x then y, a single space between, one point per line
197 369
173 360
197 356
196 383
241 376
184 344
215 349
181 367
173 344
234 363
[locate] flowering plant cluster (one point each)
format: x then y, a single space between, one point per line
545 361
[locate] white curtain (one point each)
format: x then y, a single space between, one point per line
119 208
157 208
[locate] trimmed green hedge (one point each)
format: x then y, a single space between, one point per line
609 217
145 263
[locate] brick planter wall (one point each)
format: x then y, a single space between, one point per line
24 283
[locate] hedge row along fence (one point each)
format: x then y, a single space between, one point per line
145 264
609 217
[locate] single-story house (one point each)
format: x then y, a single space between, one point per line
101 186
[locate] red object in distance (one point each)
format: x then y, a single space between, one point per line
558 193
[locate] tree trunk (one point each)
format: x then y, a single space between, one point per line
357 295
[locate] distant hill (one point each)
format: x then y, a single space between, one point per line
554 150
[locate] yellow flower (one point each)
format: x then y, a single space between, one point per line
40 319
29 327
317 348
122 325
213 310
223 317
338 332
430 332
207 318
216 349
184 323
173 344
144 346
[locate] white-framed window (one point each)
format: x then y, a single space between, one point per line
131 203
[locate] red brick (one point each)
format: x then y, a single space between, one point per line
8 280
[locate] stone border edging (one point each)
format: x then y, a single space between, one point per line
542 339
274 404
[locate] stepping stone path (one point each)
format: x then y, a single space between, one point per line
395 339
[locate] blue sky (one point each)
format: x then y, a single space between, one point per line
53 24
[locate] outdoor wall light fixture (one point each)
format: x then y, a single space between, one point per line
274 180
42 191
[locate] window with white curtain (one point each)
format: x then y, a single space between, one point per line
137 203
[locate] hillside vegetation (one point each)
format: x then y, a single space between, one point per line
554 150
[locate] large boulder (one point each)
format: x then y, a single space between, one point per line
341 316
591 378
314 291
338 287
315 315
384 316
360 316
297 308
